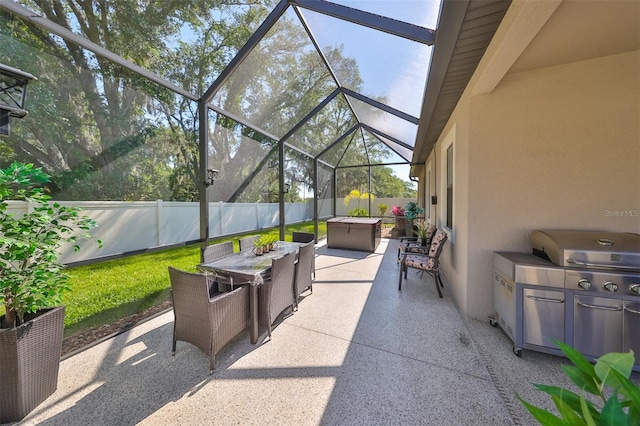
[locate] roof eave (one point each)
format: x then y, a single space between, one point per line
442 91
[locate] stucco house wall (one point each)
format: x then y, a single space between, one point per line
555 147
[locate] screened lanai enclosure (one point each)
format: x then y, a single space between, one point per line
219 101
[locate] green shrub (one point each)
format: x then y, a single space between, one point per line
31 276
359 212
608 380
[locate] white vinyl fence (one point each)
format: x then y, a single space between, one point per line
131 226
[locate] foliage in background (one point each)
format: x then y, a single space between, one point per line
358 212
608 380
31 277
106 133
397 211
382 209
354 194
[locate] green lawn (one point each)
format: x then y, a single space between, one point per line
107 291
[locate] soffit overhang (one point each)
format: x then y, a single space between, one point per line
458 49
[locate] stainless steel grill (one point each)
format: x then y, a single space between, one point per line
588 249
586 292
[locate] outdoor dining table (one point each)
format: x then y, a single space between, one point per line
247 268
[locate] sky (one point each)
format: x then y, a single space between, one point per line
389 65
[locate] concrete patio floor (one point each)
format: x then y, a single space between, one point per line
358 352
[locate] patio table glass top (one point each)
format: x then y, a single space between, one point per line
245 266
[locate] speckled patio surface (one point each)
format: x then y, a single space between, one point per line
358 352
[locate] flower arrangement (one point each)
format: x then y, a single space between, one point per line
397 211
412 211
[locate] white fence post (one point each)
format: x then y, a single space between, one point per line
159 221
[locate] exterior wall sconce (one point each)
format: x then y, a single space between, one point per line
212 175
287 187
13 93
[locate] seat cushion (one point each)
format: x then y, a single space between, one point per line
419 262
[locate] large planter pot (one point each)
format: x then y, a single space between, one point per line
29 363
400 227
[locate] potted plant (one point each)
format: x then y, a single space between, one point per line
273 241
422 232
411 213
31 284
258 242
399 229
268 240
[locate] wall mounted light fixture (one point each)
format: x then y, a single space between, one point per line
212 175
13 93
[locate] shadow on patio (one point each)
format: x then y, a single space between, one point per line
357 352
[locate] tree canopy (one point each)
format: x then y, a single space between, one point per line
104 132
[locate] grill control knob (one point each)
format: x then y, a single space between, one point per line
584 284
610 286
635 288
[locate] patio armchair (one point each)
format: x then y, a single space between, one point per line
404 241
246 243
276 293
207 322
304 269
425 261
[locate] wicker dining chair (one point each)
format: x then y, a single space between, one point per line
305 237
276 293
304 270
208 323
302 237
425 262
246 243
216 251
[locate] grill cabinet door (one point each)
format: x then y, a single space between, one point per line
597 325
631 329
543 317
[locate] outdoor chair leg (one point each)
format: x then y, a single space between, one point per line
436 279
173 350
212 358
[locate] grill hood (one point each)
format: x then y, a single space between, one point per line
592 249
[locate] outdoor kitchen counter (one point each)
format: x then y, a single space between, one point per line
353 233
